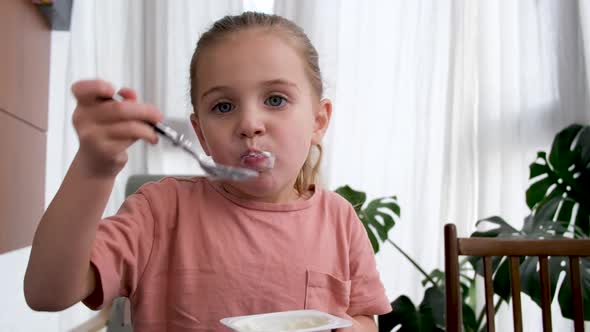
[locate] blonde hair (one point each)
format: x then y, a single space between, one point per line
309 173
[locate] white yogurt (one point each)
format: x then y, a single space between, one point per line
286 321
281 323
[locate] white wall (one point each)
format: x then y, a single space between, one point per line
14 313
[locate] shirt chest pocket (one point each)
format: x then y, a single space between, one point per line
327 293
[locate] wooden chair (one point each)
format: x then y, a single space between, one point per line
514 249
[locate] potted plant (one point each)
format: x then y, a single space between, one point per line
559 199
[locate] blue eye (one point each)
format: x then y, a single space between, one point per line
275 101
223 107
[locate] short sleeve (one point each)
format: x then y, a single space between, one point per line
121 251
367 294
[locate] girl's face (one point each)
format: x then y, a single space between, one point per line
253 95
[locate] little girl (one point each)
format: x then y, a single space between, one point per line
188 252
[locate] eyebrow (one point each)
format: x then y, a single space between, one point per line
278 81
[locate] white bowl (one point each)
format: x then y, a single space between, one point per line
286 321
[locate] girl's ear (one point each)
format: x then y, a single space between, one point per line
321 120
197 127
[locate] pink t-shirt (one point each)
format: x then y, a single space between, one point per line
187 254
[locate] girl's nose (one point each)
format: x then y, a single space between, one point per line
251 124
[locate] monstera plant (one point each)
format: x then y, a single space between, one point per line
559 199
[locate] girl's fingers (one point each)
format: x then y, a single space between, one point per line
128 111
89 92
132 131
96 104
127 94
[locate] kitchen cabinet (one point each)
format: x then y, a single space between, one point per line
25 42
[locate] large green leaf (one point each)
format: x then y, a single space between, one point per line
379 214
378 217
437 275
405 317
497 227
403 313
565 292
500 265
432 300
355 198
469 319
429 316
500 274
565 174
432 311
432 314
530 281
552 220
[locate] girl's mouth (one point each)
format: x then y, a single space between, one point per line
258 160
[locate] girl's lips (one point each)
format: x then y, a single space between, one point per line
258 160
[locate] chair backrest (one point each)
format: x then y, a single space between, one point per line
514 249
137 180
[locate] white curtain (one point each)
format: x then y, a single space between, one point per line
445 104
145 45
